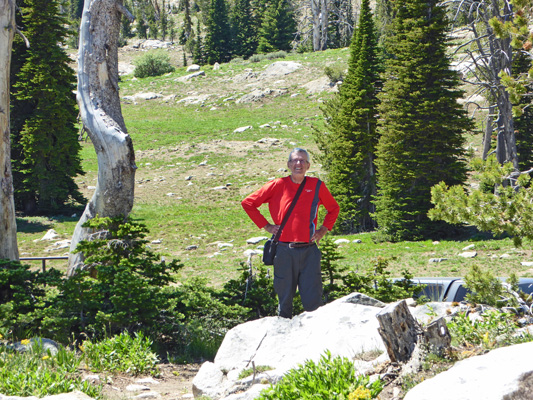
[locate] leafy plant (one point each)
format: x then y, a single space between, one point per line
153 63
493 329
327 379
39 373
122 353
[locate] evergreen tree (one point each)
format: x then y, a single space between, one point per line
44 136
348 148
244 30
523 123
340 25
421 123
187 30
218 35
198 56
278 27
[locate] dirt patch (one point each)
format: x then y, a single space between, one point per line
173 382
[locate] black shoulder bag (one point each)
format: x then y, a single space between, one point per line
271 245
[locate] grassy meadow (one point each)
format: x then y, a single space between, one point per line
194 169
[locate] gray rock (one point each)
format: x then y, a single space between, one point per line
437 260
341 327
341 241
189 77
191 247
487 377
256 240
46 345
242 129
137 388
468 254
193 68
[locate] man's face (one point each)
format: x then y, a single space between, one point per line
298 164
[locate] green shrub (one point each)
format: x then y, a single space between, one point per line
252 290
376 282
328 379
493 329
24 297
152 63
121 286
485 288
121 353
39 373
335 72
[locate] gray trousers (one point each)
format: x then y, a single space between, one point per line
297 268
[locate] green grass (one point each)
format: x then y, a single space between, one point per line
171 140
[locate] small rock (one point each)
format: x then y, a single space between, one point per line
157 241
148 395
193 68
357 241
437 260
256 240
242 129
468 254
220 188
527 263
50 235
149 380
136 388
469 247
224 245
341 241
216 66
202 164
191 247
250 252
188 178
94 379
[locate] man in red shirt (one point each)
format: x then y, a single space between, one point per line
297 261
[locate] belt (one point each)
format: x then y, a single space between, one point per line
297 245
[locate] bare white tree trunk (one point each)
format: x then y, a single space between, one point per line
8 227
319 18
489 56
99 102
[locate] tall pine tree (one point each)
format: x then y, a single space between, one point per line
421 123
218 36
278 27
244 29
45 141
523 123
348 149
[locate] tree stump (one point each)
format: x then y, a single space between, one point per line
437 337
399 331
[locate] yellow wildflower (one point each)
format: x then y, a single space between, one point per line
46 357
1 337
361 393
25 341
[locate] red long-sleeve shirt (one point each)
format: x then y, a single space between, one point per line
279 193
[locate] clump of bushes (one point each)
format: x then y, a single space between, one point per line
330 377
152 63
335 73
268 56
